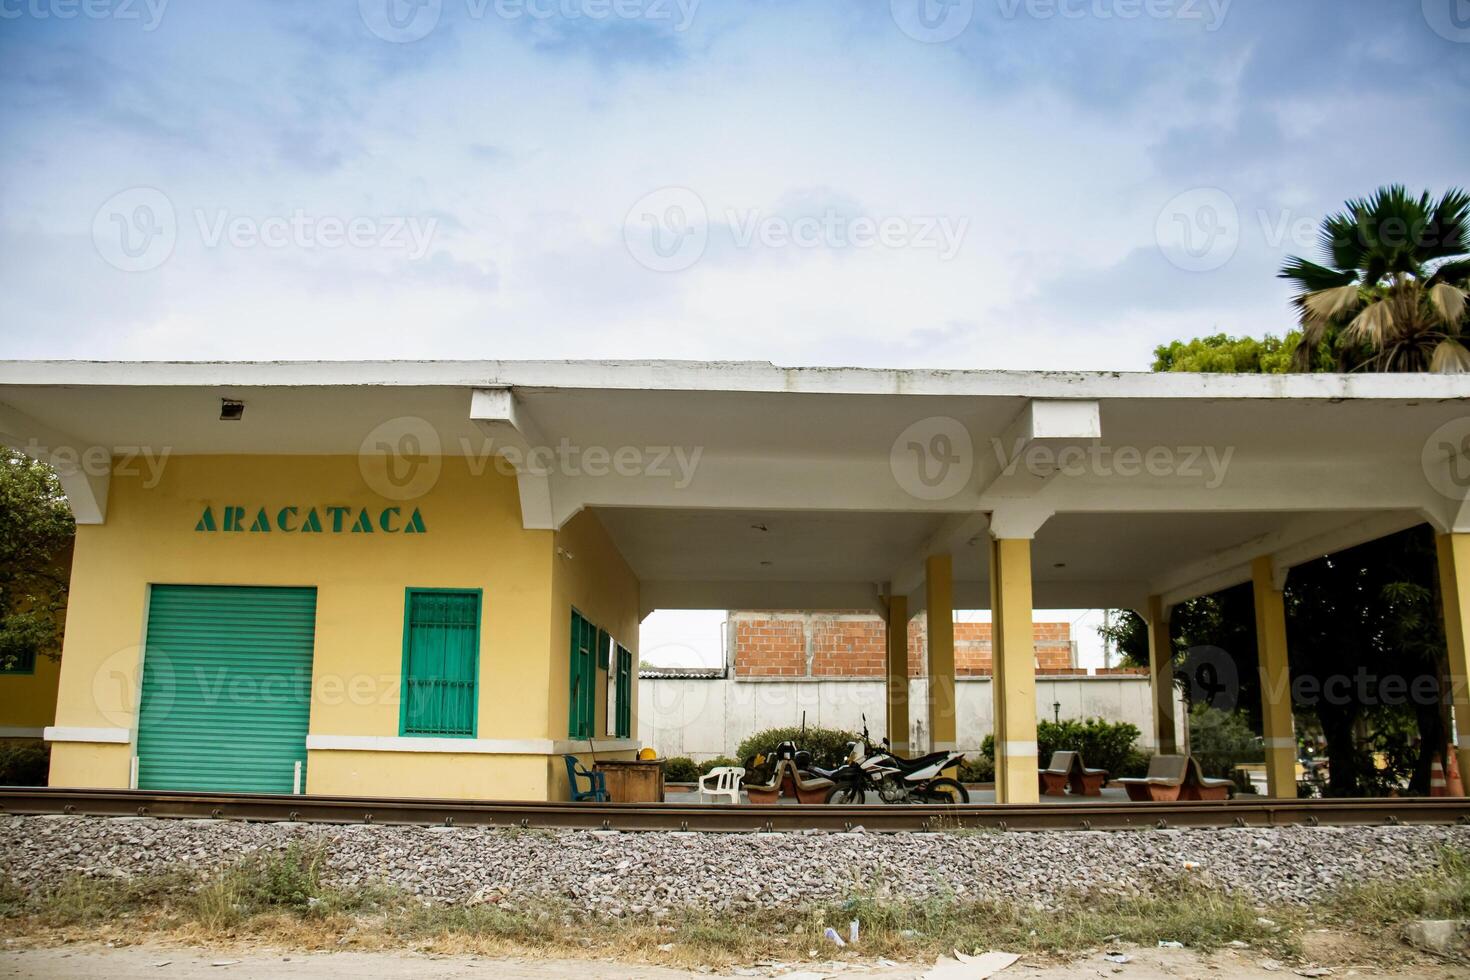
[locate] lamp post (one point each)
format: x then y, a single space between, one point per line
1056 711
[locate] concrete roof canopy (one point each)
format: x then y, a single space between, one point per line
743 484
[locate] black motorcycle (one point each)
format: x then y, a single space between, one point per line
875 768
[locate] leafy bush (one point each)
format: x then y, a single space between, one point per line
1220 739
24 763
978 769
828 746
1104 745
1135 765
709 765
266 881
680 769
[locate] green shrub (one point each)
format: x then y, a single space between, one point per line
828 746
1135 766
680 769
267 881
24 763
978 769
1104 745
709 765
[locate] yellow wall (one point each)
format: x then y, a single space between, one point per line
590 575
89 766
29 700
428 774
474 539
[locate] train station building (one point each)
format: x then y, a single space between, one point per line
427 578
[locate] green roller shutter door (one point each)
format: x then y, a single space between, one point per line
226 688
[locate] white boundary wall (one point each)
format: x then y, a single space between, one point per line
706 717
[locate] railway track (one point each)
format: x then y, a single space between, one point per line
730 819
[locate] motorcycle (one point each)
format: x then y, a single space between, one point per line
895 779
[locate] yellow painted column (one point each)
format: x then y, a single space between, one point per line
1161 676
898 672
1454 587
1013 646
939 601
1275 672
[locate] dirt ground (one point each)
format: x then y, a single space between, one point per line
162 963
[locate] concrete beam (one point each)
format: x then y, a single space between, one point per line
772 595
85 469
1055 425
1311 538
956 532
514 436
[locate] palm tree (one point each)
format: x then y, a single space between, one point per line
1394 295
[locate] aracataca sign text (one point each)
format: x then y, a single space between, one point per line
312 520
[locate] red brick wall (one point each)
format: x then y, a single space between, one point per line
770 648
855 645
849 648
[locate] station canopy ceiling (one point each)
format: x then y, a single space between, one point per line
747 485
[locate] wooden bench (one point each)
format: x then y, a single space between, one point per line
767 792
806 790
788 779
1066 770
1164 782
1175 777
1198 786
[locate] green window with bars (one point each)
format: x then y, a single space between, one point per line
624 681
582 693
441 662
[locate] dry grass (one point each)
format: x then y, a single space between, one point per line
1442 892
279 899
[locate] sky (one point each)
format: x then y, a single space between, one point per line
898 183
1037 184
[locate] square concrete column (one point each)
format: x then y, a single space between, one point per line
1161 676
898 672
1013 646
1277 725
939 600
1454 587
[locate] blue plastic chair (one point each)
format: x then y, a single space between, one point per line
596 790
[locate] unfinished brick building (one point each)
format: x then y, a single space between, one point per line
851 644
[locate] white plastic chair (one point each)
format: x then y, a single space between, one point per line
726 780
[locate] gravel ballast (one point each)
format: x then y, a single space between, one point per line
647 873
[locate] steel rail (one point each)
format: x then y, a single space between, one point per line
730 819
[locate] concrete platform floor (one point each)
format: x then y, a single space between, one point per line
1110 794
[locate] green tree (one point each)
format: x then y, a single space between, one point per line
1364 632
1222 739
1223 620
1223 354
1392 296
36 530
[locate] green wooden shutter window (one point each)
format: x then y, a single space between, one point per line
582 668
226 693
625 694
441 647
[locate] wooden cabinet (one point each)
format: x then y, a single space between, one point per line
633 780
